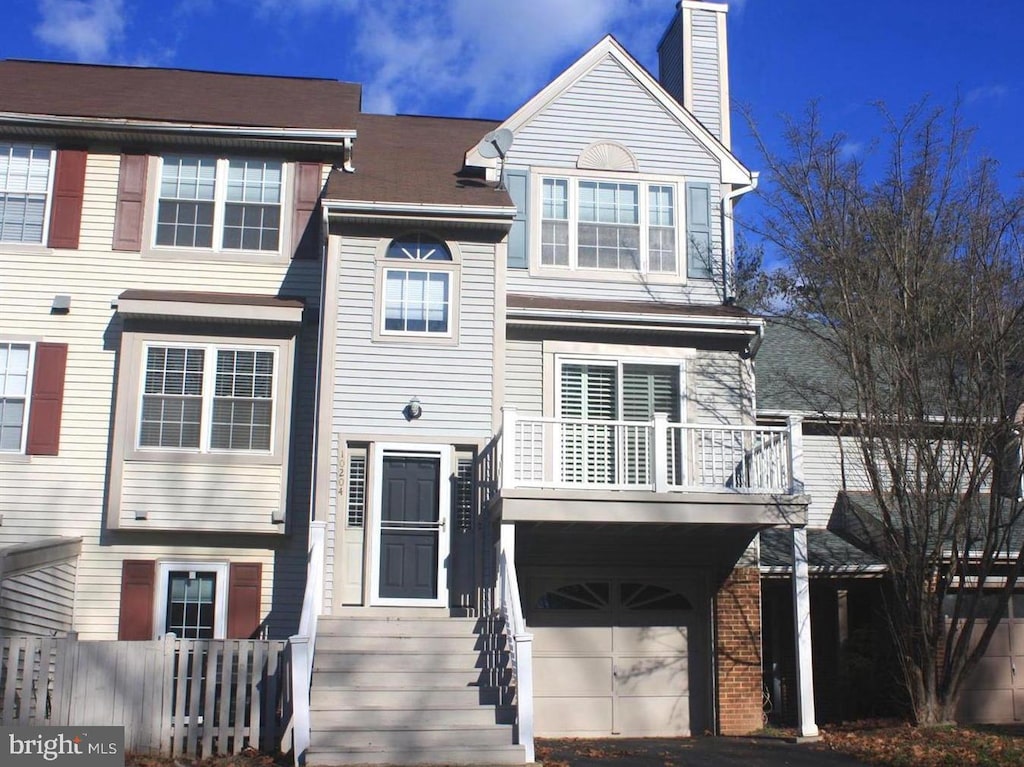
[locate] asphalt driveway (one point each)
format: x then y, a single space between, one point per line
689 752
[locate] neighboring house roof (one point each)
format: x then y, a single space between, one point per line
795 373
175 96
857 517
732 170
827 553
414 161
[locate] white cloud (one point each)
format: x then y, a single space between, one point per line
486 55
85 29
986 93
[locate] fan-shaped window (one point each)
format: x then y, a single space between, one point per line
419 248
607 155
577 596
646 596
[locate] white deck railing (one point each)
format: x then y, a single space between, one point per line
645 455
520 649
304 643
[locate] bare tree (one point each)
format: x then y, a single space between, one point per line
910 266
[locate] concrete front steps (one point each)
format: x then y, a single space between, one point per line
410 687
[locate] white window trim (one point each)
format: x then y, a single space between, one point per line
453 268
444 455
217 252
407 270
210 349
49 200
618 362
220 615
28 394
575 176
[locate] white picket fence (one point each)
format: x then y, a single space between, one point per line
173 696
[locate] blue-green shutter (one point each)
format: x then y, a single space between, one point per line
699 257
518 182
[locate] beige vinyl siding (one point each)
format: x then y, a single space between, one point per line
707 87
831 464
719 389
64 494
38 602
524 376
186 496
375 380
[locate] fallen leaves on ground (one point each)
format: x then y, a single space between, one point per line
888 744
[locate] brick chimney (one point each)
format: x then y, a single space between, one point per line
693 63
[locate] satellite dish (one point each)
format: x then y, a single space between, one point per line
496 145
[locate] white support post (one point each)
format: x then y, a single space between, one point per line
796 454
509 418
300 698
802 625
524 692
508 541
660 453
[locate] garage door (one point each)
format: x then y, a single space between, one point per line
615 656
995 690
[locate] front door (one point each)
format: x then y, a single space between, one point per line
411 531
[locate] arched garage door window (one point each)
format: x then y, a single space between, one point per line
603 595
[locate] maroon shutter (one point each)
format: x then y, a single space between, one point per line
244 584
306 234
47 399
131 202
68 188
138 590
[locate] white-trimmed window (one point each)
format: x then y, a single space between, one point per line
419 280
220 204
25 178
15 376
609 225
192 599
208 398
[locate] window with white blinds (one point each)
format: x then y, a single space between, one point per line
208 398
24 186
592 392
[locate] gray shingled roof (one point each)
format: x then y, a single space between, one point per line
826 552
857 517
795 374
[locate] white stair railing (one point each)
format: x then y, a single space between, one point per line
521 650
303 644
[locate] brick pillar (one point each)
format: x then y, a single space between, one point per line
738 652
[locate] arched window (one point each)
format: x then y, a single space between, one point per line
418 287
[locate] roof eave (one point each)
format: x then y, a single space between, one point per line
305 136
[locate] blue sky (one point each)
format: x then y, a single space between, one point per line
483 58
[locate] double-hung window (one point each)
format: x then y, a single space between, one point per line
25 172
220 204
609 225
15 374
418 284
208 398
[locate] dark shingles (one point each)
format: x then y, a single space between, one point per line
795 373
826 552
518 301
418 160
176 95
